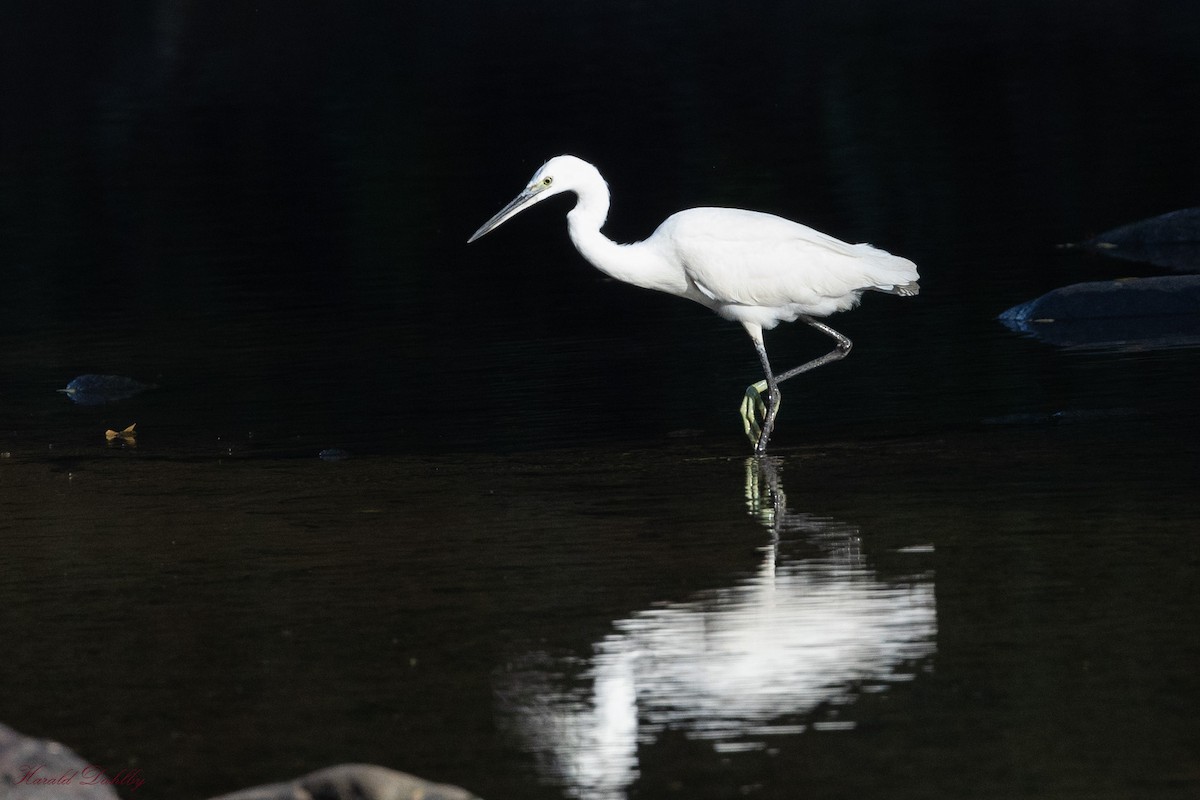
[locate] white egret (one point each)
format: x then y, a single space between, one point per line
754 268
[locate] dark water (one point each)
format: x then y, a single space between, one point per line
547 568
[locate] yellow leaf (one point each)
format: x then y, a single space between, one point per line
127 436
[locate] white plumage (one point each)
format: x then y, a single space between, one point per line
754 268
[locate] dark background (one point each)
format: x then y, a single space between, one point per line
271 202
262 209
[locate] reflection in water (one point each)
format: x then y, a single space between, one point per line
732 665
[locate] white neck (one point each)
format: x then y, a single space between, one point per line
637 263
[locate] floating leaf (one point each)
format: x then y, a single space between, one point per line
128 436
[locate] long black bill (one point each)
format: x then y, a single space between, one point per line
519 204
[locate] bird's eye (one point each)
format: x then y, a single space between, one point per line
546 181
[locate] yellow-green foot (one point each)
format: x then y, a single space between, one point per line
754 411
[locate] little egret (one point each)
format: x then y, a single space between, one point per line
754 268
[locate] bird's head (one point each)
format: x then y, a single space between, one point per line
559 174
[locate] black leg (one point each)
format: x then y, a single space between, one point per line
840 352
774 395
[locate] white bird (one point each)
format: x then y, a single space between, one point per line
754 268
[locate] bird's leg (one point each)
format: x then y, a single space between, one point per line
840 352
753 406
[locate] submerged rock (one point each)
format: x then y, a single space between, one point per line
1170 240
40 769
1167 295
96 390
354 782
1135 312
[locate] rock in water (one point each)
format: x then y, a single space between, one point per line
96 390
1145 313
39 769
1170 240
354 782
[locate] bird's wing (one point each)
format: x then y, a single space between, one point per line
750 258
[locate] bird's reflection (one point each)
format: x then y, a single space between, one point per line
736 665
